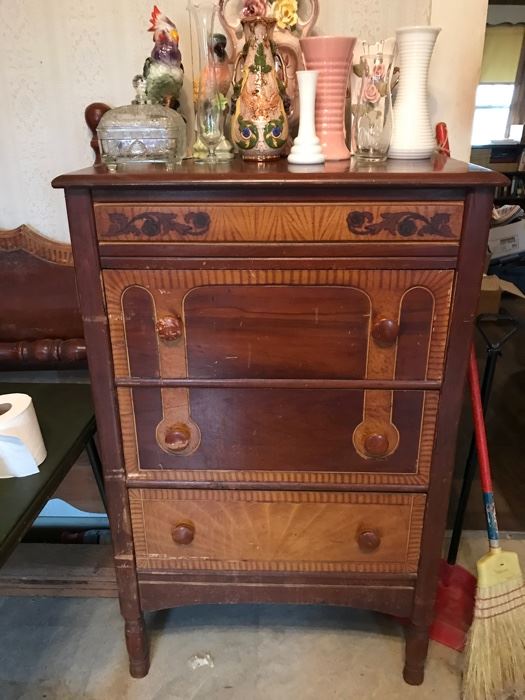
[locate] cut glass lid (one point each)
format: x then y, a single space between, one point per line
140 116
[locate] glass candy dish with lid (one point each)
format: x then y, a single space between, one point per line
141 133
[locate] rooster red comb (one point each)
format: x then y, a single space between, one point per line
155 14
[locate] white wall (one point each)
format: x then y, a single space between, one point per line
372 20
56 56
455 67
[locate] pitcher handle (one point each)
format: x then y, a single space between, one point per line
283 66
235 80
304 26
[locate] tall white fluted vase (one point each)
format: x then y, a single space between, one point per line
412 133
307 149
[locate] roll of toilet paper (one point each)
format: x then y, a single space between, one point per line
22 448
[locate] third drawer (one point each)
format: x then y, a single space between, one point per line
328 436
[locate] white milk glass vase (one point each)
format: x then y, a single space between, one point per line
307 149
412 133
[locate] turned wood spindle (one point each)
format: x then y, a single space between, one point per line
93 114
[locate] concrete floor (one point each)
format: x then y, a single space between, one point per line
65 649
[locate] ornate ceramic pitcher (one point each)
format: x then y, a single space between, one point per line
286 37
259 126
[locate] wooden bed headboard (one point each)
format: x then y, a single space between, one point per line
40 322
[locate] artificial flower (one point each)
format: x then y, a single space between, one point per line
379 70
371 93
254 8
285 12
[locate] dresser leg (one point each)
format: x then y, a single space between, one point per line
138 648
416 654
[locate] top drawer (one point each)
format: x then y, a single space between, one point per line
280 223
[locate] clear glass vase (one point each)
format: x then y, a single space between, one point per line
210 104
373 116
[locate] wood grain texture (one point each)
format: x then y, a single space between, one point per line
276 531
276 332
478 210
40 320
43 353
387 597
27 239
96 326
381 234
437 172
386 290
59 570
289 222
312 445
129 255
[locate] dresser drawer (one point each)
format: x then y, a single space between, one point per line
272 435
205 530
279 324
280 223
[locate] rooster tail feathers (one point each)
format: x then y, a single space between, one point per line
155 14
158 18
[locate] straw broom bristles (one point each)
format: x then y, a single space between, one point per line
495 659
495 656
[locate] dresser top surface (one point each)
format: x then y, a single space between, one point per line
439 171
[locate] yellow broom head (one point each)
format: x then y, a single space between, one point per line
495 653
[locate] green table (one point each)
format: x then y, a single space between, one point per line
66 418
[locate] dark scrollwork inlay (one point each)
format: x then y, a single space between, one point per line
403 223
154 223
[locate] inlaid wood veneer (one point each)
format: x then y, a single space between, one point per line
278 359
322 324
276 531
307 442
293 330
288 222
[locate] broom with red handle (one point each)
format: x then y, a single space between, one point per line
495 654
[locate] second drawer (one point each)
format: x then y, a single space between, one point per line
207 530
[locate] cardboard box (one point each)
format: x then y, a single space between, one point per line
492 288
507 240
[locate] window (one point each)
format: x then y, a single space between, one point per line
493 102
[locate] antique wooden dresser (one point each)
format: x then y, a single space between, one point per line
278 362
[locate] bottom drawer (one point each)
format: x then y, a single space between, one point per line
208 530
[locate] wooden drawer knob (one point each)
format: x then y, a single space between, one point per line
169 328
183 533
368 540
177 438
376 445
385 331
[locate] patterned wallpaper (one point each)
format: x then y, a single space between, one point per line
57 56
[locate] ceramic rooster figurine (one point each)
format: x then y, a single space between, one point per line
163 72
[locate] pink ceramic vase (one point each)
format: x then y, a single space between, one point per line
332 57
